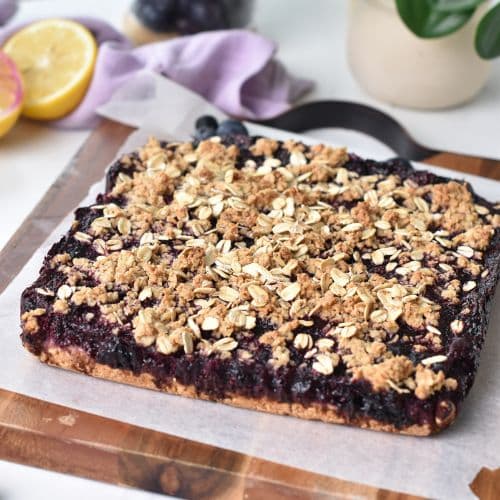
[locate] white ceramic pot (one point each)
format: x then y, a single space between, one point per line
394 65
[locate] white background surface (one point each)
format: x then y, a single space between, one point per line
311 44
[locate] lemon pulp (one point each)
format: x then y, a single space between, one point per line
56 58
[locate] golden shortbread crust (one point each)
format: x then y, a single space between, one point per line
79 361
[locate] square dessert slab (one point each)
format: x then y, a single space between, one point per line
275 276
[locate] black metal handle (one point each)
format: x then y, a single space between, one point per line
354 116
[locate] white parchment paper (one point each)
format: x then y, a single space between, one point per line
438 467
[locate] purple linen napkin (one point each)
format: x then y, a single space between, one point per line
233 69
7 10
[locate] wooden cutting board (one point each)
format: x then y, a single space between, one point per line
57 438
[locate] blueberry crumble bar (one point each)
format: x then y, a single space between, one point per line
276 276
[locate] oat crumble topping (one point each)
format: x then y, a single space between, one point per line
194 251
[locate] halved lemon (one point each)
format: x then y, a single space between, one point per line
56 58
11 93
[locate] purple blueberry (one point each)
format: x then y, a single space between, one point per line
206 126
204 133
159 15
201 15
208 15
231 127
206 121
238 12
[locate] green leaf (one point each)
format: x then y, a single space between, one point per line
488 34
456 5
422 18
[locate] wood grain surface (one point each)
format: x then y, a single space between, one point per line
58 438
486 167
54 437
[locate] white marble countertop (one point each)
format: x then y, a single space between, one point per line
312 44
